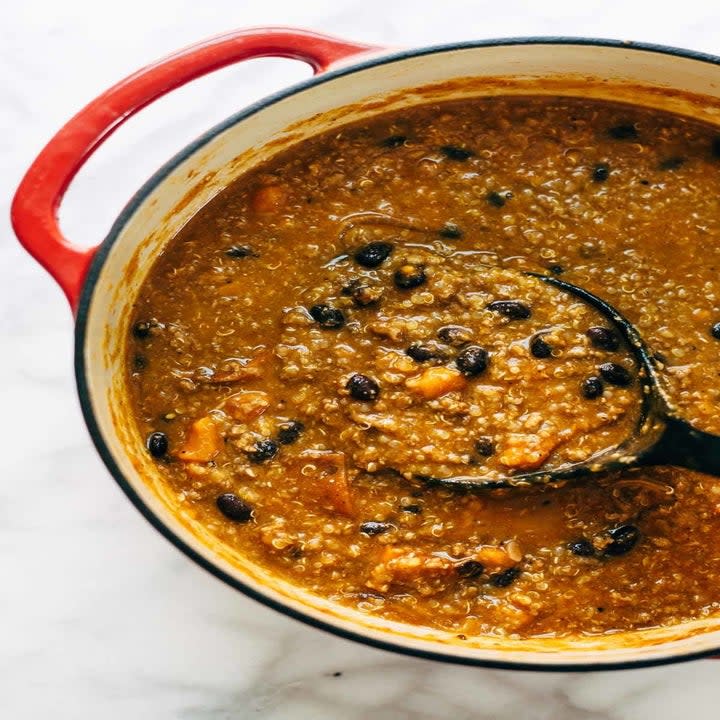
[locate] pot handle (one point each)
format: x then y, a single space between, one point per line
35 206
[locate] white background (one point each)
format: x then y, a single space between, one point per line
99 616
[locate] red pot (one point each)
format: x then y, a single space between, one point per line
351 81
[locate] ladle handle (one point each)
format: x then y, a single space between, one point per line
683 446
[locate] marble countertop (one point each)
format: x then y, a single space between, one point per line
99 616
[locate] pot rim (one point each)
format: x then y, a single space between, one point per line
443 654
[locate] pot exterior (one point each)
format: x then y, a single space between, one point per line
656 77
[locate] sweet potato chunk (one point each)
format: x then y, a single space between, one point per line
436 382
527 452
268 198
493 557
246 405
203 441
428 573
323 478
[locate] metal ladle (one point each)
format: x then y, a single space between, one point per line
661 436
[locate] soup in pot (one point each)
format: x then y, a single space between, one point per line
353 319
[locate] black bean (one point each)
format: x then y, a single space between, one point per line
715 330
626 131
603 338
419 352
497 199
513 309
264 450
240 251
372 527
409 276
394 141
361 293
412 509
592 387
470 569
452 152
373 254
615 374
623 540
234 507
328 317
472 361
672 163
422 352
363 388
644 182
715 147
540 348
141 330
139 361
454 335
582 548
485 446
157 444
601 172
506 577
556 269
450 231
289 432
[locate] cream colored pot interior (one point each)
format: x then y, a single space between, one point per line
619 73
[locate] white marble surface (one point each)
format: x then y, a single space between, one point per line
99 616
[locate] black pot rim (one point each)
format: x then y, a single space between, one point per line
81 338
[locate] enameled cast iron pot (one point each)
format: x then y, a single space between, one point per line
351 81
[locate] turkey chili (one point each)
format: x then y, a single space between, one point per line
354 318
